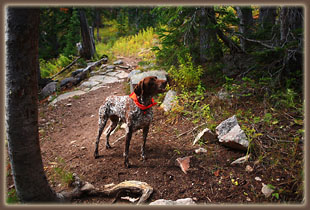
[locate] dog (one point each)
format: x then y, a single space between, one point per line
134 110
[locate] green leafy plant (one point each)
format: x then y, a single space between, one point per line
12 197
186 75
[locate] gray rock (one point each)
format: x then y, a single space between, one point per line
49 89
266 190
68 82
135 79
89 84
76 72
118 62
122 75
133 72
169 102
110 67
200 150
124 67
230 134
206 135
183 201
67 95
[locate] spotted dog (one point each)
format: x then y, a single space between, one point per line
134 110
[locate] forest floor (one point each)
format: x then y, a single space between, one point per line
67 138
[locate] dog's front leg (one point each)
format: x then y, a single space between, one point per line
145 132
127 143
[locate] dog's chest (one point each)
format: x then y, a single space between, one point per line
140 118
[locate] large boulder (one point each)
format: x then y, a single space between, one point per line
169 100
68 82
49 89
230 134
135 79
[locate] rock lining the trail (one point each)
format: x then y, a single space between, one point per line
135 79
230 134
183 201
169 100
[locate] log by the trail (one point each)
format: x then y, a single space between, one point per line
67 67
84 188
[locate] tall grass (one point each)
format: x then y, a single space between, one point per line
138 45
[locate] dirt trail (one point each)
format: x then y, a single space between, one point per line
68 132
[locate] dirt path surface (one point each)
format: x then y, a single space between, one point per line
68 132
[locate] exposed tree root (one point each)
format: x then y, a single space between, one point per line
82 188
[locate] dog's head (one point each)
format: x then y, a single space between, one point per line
150 86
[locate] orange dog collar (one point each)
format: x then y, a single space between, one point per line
133 96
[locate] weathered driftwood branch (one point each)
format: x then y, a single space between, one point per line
84 188
189 131
67 67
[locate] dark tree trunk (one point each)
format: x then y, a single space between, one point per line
209 44
245 24
87 44
203 35
21 106
291 18
267 17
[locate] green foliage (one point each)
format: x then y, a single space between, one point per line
12 197
60 172
51 67
187 76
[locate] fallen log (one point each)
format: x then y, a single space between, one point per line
67 67
84 188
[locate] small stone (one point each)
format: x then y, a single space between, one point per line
118 62
72 142
241 160
124 67
206 135
248 199
110 67
83 148
184 163
266 190
248 168
258 179
69 105
200 150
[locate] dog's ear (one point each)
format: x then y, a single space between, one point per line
139 88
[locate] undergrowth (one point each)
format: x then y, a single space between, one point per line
271 119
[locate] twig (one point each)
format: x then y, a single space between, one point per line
67 67
273 139
118 139
189 131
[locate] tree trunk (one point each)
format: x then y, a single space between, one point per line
267 17
209 44
291 18
203 35
88 48
21 106
245 24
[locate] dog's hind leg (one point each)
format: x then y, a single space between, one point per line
103 118
115 121
145 132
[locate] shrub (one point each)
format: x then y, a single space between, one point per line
186 75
